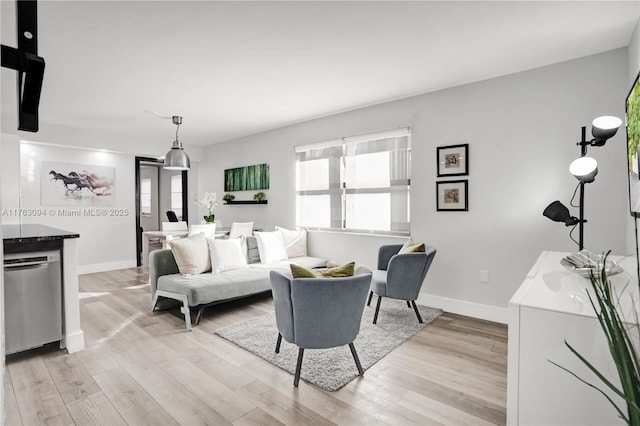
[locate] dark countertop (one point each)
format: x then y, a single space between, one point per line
28 233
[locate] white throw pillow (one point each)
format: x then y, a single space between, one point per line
226 255
191 254
295 242
270 246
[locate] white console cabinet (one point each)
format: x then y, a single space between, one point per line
552 306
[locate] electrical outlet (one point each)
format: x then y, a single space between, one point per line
484 276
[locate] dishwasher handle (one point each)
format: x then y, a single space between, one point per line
26 267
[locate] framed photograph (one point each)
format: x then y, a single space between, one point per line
633 141
453 160
452 195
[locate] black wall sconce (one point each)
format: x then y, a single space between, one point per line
585 170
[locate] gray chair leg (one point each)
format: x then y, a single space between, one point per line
375 316
370 296
415 308
408 304
296 378
356 359
278 343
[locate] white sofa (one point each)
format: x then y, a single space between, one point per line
170 289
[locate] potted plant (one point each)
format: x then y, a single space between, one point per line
228 197
621 346
209 202
259 196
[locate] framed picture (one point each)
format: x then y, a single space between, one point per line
452 195
248 178
453 160
69 184
633 141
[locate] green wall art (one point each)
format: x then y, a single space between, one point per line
247 178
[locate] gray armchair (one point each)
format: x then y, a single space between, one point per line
319 313
400 276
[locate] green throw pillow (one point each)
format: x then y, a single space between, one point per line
346 270
301 272
412 247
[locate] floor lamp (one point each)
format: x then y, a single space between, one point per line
585 170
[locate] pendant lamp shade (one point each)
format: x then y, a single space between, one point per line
176 158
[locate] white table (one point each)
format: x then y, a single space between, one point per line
550 306
163 236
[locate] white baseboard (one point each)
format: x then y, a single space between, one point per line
74 342
102 267
463 307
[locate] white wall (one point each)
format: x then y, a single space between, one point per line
522 130
106 242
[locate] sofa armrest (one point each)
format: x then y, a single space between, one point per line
161 262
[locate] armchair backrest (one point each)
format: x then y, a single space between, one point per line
319 313
405 272
238 229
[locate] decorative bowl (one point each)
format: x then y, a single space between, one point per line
586 263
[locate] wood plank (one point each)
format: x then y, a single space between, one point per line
219 397
286 408
131 401
11 410
257 417
96 410
71 378
182 404
438 411
38 399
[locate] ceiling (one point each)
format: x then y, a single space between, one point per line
237 68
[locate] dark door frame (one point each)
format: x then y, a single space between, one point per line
185 204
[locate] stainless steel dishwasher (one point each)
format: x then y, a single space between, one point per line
33 300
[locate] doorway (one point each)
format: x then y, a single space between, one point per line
157 190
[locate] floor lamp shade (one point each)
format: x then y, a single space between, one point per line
603 128
558 212
584 169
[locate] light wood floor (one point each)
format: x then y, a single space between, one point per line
143 368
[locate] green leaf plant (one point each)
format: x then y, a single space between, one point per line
606 306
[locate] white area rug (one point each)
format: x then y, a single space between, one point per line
330 369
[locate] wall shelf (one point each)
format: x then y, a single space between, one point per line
247 202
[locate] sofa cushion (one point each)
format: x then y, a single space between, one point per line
226 255
253 255
270 247
206 288
191 254
295 241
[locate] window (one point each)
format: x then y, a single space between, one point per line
359 183
176 195
145 197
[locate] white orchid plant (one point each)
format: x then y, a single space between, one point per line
209 202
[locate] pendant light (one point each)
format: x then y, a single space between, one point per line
176 158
